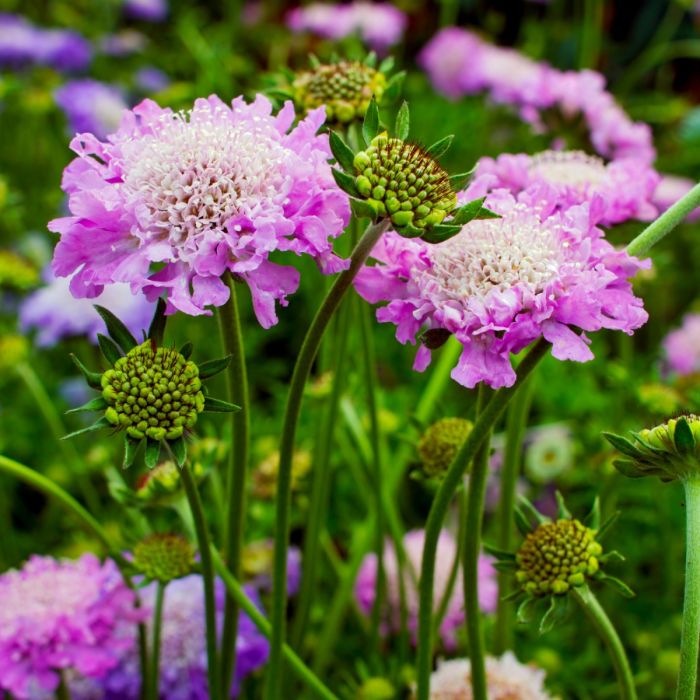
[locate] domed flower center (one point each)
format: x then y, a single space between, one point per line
557 556
440 443
402 181
514 251
199 169
574 169
164 557
153 392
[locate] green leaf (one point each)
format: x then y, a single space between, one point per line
394 87
457 182
592 520
563 513
628 469
362 209
402 125
441 233
410 231
504 565
186 350
619 586
370 126
499 553
683 437
526 610
179 450
522 523
622 444
97 404
109 348
341 152
131 447
439 148
119 333
98 425
152 452
532 514
607 524
156 331
612 556
213 405
213 367
313 61
387 65
94 379
371 59
345 182
556 613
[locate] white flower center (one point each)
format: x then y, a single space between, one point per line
199 169
515 251
575 169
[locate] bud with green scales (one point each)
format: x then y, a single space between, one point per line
163 557
392 178
151 392
440 443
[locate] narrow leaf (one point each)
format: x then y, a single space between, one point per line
410 231
439 148
555 615
313 61
499 553
219 405
131 447
213 367
101 423
341 152
402 126
592 520
562 511
441 233
612 556
119 333
394 87
457 182
619 586
345 182
622 444
152 452
109 348
97 404
605 527
370 126
522 523
683 437
362 209
387 65
467 212
371 59
186 350
525 610
179 450
94 379
156 331
628 469
504 566
532 514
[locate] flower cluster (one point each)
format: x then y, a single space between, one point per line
365 585
459 62
506 678
500 284
682 347
23 44
379 24
197 194
62 615
90 105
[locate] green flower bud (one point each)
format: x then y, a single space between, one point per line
400 178
162 557
441 442
153 392
557 556
345 89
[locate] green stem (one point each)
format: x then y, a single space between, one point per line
202 531
690 632
152 692
441 503
302 369
474 517
237 378
595 613
298 666
590 33
62 691
673 216
515 430
58 432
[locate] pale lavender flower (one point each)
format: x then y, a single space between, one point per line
54 313
670 189
90 105
146 10
125 43
18 41
365 585
149 79
682 347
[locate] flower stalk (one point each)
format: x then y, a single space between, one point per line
152 692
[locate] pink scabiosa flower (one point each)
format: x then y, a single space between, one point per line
501 284
365 586
171 201
625 187
62 615
506 679
670 189
682 347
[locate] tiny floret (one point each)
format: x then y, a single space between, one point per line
441 442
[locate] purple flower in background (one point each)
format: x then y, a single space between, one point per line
365 585
56 314
150 79
682 347
501 284
198 193
146 10
380 25
58 615
670 189
18 41
91 106
125 43
625 187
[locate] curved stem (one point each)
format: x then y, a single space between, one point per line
595 613
659 228
298 666
488 417
207 579
302 369
690 632
152 692
515 430
237 379
472 547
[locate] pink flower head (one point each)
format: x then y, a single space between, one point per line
682 346
365 586
195 194
670 189
625 187
501 284
506 679
59 615
379 24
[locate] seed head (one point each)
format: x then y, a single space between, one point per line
164 557
441 442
